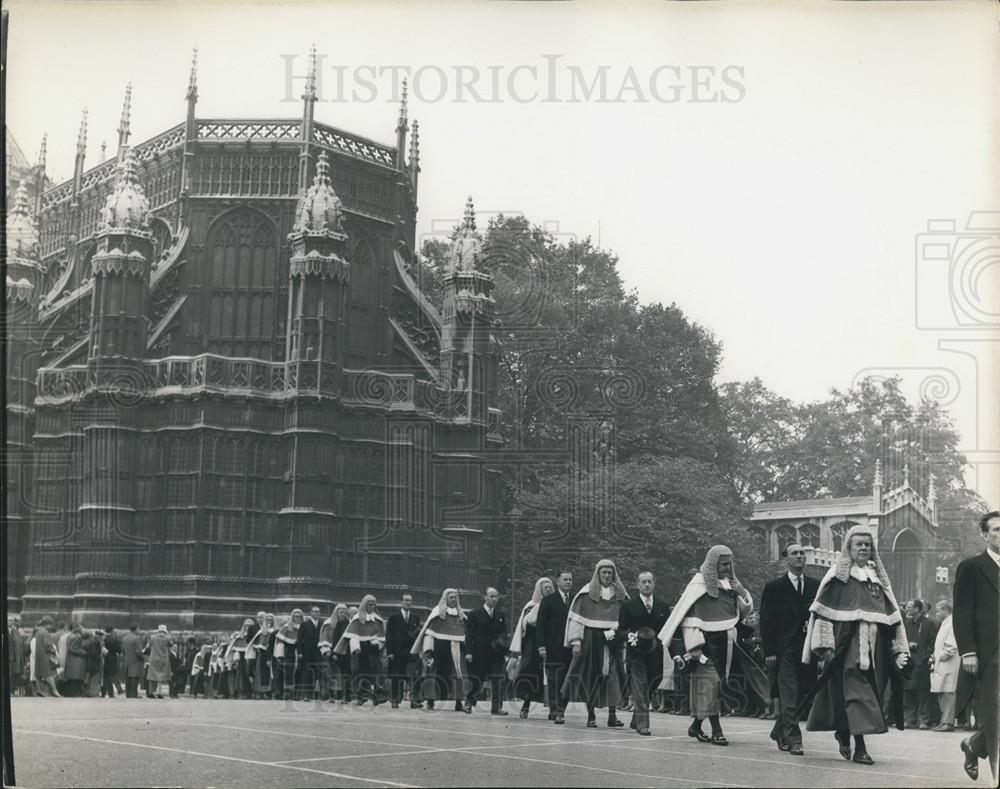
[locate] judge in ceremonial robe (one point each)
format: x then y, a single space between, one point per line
364 640
199 670
441 642
340 665
856 632
707 614
596 674
285 642
529 682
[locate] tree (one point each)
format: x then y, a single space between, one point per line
829 448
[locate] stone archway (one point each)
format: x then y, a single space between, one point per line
905 570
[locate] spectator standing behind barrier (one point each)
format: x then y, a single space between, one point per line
944 671
917 699
75 671
95 663
111 648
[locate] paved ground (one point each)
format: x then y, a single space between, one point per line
219 743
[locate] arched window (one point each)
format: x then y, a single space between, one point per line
241 276
786 536
809 535
360 307
838 531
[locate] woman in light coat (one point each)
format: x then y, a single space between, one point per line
944 674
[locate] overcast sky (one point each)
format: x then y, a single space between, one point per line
769 167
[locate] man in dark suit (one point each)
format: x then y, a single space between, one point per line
310 659
976 593
640 620
400 632
784 615
112 649
550 627
918 703
486 643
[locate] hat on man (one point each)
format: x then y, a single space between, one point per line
162 628
646 640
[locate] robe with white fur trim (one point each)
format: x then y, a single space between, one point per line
443 636
697 613
364 642
860 621
597 674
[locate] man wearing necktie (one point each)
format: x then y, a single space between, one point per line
784 613
400 634
486 643
640 619
550 628
976 595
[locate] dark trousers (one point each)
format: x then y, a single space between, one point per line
108 681
403 674
493 677
643 671
287 673
985 743
132 687
556 666
786 725
918 707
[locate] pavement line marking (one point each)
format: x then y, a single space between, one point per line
305 736
437 731
220 756
776 762
698 782
429 749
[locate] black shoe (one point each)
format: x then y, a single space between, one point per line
631 723
614 723
467 709
719 739
553 716
394 705
523 714
862 757
416 705
844 747
591 724
698 734
971 765
795 750
503 712
644 732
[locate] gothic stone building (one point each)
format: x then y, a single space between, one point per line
903 523
226 391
